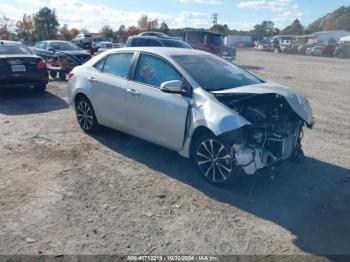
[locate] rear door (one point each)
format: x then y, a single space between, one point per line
109 82
152 114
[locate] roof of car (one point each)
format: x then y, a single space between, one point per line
56 41
163 51
154 37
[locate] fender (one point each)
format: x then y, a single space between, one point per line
210 113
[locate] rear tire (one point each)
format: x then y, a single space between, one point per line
213 159
86 115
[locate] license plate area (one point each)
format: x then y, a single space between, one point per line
18 68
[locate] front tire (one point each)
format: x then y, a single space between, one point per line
86 115
213 159
53 74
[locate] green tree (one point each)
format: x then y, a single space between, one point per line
337 20
265 29
223 29
164 28
294 29
46 24
107 32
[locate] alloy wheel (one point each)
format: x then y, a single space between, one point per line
85 115
214 161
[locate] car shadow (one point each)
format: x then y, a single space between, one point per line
250 67
303 198
25 101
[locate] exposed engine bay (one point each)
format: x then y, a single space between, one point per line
275 132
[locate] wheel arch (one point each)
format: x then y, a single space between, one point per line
197 133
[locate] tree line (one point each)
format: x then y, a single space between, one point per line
44 25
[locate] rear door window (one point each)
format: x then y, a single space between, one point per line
118 64
151 42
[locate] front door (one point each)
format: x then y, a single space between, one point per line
152 114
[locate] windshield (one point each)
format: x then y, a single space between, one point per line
216 39
63 46
174 43
14 50
213 73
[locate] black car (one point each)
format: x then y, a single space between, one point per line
19 67
61 56
135 41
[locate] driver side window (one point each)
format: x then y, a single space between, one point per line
153 71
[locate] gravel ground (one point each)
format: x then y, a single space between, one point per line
64 192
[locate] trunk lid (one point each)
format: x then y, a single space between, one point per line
18 65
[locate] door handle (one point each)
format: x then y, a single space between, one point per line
92 79
133 92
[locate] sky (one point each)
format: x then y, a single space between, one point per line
238 14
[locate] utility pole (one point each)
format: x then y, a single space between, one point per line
215 19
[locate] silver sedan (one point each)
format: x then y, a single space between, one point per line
228 121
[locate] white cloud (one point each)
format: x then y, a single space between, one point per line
286 10
208 2
77 13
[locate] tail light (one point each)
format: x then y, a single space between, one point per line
41 65
70 75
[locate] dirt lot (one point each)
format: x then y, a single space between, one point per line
64 192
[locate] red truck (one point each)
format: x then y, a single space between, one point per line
211 42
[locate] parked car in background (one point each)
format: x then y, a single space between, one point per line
61 56
20 67
263 46
342 51
302 48
222 117
210 42
100 42
84 40
157 34
329 49
315 51
118 45
136 41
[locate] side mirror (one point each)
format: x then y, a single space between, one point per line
173 87
50 49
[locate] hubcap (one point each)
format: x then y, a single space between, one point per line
214 160
84 114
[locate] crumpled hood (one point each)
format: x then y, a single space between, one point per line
297 101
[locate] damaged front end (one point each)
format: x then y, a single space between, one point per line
275 131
